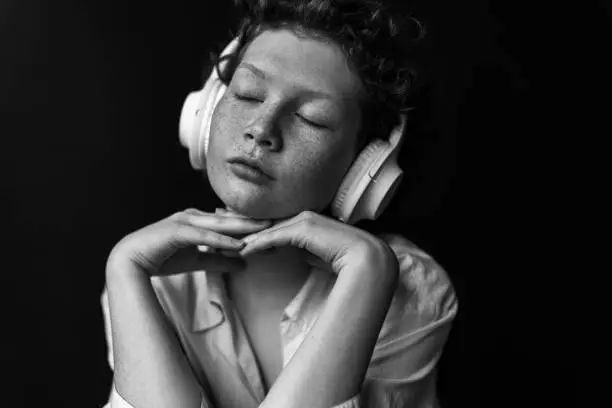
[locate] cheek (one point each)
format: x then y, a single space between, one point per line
223 126
318 173
310 170
218 141
221 121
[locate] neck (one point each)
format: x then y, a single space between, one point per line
270 279
278 273
279 263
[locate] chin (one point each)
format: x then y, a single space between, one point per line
251 203
260 206
251 209
258 201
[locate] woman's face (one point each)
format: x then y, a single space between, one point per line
292 106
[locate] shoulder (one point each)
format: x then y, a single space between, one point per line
414 332
424 298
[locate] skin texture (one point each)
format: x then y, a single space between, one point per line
307 162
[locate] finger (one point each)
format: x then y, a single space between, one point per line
227 225
187 234
255 242
227 213
224 252
219 212
279 235
276 225
195 211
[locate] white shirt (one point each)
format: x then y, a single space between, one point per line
402 369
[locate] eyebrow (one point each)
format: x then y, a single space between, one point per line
264 75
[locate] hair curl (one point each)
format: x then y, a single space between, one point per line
379 44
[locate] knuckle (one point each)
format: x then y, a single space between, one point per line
185 215
180 232
227 239
309 218
192 211
178 216
205 234
220 220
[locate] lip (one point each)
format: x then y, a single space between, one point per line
250 165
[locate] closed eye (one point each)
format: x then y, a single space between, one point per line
311 123
251 99
246 98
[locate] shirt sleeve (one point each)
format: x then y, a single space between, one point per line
402 371
351 403
115 400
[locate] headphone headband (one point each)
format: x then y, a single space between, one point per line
367 187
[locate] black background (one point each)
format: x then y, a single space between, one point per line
90 95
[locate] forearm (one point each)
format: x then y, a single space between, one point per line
330 365
150 368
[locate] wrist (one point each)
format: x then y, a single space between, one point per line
120 269
375 262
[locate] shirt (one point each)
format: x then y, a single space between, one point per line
402 370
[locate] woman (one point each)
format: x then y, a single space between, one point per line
293 308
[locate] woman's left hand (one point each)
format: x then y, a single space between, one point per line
339 245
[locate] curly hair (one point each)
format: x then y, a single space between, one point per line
379 44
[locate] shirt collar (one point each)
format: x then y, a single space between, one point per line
210 299
306 302
212 302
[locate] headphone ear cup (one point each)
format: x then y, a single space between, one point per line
216 92
371 181
198 108
188 124
356 181
380 191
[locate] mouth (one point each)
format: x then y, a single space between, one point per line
249 169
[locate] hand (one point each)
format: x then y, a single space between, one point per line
335 244
173 240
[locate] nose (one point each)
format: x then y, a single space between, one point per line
264 132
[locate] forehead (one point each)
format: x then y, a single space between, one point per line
303 61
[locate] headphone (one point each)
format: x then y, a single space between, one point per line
367 187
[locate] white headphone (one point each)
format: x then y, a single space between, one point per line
367 187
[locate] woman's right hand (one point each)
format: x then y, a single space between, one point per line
169 246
